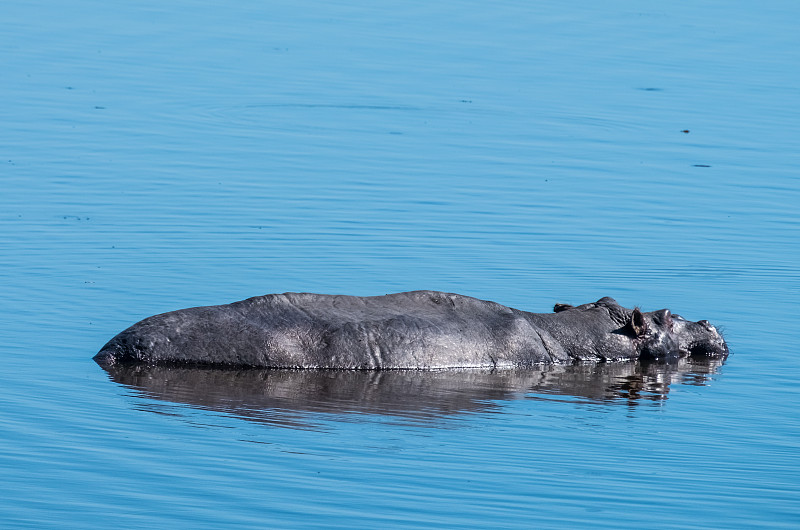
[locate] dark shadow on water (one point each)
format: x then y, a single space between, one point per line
303 398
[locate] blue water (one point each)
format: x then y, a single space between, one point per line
160 155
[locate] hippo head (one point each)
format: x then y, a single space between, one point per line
657 335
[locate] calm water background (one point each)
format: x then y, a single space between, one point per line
159 155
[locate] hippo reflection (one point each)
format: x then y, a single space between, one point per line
294 398
413 330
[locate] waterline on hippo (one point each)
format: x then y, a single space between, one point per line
412 330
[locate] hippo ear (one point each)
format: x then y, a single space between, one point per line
561 307
637 325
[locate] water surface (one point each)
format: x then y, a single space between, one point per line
158 156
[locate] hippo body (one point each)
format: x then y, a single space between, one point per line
413 330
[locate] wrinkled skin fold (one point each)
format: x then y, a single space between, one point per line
413 330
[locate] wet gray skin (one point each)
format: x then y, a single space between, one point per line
414 330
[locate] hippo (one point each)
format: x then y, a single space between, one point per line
411 330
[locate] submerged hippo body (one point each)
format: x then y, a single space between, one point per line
414 330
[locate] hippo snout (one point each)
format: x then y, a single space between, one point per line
702 339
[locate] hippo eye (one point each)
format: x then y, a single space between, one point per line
663 318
